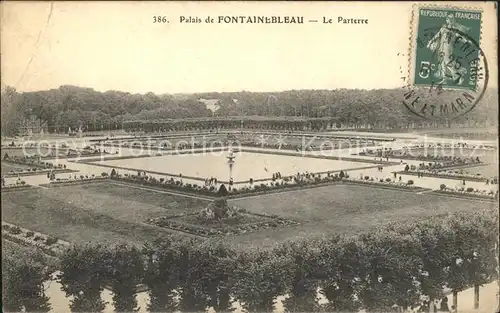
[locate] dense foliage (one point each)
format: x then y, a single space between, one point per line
348 106
392 266
70 106
23 278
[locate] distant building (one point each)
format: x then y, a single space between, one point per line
33 126
213 104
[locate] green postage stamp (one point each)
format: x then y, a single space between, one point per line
446 47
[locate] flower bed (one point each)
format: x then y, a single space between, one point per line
469 192
48 244
111 158
445 174
298 147
214 191
37 171
20 186
79 179
445 161
85 153
243 223
33 161
386 182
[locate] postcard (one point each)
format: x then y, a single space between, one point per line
249 156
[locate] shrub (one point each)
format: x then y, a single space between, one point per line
381 180
104 174
388 180
410 182
15 230
37 238
470 189
50 241
442 186
29 234
367 177
222 190
6 227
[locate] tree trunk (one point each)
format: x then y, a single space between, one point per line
476 296
455 300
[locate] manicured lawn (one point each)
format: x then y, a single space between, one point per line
111 213
348 209
490 170
7 167
101 211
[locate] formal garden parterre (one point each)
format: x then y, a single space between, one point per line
116 211
336 225
195 253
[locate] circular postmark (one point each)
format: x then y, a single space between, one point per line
449 75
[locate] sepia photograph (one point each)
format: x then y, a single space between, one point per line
249 156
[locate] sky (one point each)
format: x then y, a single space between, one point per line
116 46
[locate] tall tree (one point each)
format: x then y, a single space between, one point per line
125 272
23 278
161 274
83 275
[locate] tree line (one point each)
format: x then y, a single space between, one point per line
71 106
393 266
74 107
377 108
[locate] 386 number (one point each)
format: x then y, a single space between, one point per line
160 19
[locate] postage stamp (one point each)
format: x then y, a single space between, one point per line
448 72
